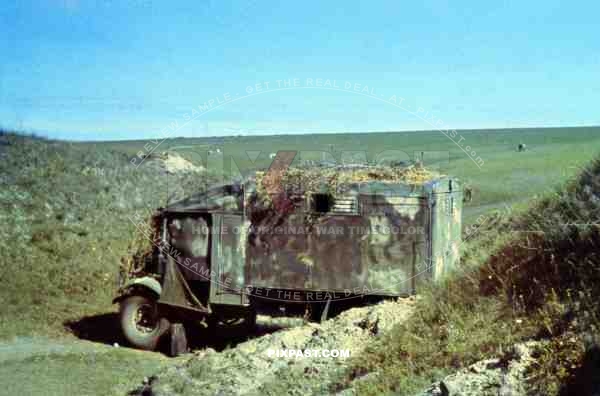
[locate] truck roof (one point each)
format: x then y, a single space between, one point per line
336 181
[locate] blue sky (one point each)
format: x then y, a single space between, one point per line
110 69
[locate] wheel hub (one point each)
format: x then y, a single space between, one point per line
145 319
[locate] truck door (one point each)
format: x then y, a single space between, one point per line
396 250
190 238
188 251
228 259
446 228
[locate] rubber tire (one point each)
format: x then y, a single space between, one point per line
128 309
179 343
250 321
316 312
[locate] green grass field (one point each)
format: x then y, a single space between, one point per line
504 176
65 209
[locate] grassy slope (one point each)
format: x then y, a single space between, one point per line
64 228
68 214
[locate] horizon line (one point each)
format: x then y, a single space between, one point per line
44 134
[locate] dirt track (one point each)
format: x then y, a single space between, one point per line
25 348
228 363
67 366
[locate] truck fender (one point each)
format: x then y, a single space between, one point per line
145 282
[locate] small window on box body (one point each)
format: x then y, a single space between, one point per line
322 203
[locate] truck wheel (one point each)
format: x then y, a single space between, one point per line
179 344
250 321
141 325
247 320
316 312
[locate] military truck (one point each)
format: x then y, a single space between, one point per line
231 252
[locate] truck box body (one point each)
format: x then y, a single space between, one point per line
373 238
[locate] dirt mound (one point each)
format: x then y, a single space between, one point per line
490 377
172 163
249 369
175 163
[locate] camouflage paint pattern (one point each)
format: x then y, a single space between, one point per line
382 246
230 256
374 249
369 240
189 238
397 245
446 228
